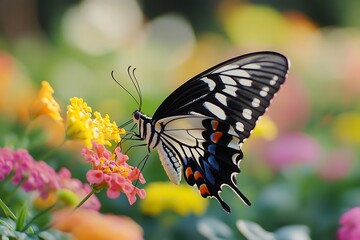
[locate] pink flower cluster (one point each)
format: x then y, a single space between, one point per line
112 172
38 176
350 225
33 175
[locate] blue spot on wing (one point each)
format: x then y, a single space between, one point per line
211 148
208 173
212 161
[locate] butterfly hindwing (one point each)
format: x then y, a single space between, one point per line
209 151
219 164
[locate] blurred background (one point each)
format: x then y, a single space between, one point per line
300 168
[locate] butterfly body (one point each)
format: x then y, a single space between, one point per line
199 129
150 132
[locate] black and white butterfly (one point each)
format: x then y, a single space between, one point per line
199 129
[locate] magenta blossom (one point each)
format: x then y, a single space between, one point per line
350 225
112 172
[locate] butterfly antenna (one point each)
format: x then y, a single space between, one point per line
125 124
136 84
113 77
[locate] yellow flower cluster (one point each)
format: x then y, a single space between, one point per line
45 104
81 125
166 196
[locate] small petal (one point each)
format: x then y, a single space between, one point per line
112 193
95 176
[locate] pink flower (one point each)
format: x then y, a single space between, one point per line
350 225
112 172
292 149
39 176
34 175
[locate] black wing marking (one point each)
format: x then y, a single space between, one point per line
237 91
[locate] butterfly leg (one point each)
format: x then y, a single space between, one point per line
133 146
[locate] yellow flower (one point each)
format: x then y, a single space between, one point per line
79 121
265 128
81 125
165 196
104 130
347 127
45 104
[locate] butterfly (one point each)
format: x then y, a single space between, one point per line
198 130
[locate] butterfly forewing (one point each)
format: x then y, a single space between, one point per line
205 121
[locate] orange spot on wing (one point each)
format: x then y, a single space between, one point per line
216 136
204 190
188 172
197 175
215 124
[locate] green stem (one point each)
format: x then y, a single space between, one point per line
37 216
93 190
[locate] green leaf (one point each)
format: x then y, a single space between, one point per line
20 222
7 210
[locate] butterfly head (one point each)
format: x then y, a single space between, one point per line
140 119
136 116
144 124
